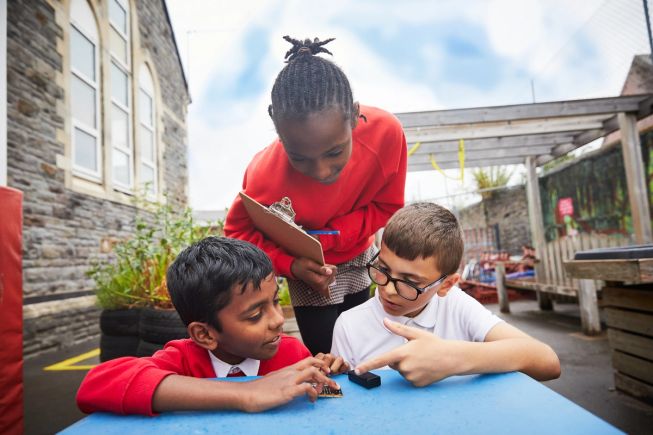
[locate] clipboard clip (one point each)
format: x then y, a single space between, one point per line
283 209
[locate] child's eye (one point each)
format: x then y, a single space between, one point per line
334 153
276 301
255 317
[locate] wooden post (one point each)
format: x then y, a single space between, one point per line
502 293
537 226
635 177
589 307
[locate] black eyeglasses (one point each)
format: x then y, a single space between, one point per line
405 289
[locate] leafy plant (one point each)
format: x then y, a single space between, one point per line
491 177
284 293
135 276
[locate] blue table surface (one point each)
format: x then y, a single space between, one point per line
510 403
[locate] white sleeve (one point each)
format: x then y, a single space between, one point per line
476 319
340 345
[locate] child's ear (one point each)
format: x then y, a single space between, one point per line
448 283
203 335
354 116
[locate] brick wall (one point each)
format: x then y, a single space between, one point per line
509 209
62 228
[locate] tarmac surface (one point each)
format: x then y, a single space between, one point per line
586 373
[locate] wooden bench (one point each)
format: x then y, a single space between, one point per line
586 293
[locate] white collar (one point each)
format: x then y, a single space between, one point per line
248 366
425 319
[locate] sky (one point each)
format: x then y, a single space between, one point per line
400 56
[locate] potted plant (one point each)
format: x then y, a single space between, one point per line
284 299
138 317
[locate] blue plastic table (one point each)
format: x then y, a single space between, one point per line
510 403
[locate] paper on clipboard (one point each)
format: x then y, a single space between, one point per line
291 238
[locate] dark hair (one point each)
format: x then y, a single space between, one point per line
202 276
426 230
309 84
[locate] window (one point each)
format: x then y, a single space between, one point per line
84 92
147 132
113 130
122 159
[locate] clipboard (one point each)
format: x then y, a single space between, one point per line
289 236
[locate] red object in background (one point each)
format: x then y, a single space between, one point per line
565 207
11 312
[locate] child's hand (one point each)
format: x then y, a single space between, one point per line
317 277
425 359
282 386
336 365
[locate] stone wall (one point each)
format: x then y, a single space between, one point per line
509 209
62 228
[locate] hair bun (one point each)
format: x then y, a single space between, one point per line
305 47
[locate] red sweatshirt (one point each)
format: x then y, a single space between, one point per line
369 190
126 385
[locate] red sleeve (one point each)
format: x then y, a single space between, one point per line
357 226
126 385
238 225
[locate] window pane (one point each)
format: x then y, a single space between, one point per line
146 109
82 53
121 172
147 145
119 85
119 128
118 46
147 176
118 16
85 151
83 102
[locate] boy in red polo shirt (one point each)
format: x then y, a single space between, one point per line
226 293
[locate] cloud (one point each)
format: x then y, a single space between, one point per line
401 56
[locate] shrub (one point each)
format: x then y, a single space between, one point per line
135 276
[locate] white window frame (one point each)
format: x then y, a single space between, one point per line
78 124
150 127
125 68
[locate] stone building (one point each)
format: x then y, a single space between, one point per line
96 112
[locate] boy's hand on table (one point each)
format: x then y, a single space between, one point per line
317 277
282 386
336 365
425 359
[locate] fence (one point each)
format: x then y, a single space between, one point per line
564 248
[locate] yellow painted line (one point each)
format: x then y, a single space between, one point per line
69 364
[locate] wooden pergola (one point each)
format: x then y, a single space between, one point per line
533 134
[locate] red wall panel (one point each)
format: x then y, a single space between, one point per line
11 312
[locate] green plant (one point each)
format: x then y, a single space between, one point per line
135 276
284 293
491 177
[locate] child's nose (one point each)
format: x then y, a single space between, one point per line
321 170
277 319
390 288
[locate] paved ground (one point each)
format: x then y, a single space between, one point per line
586 374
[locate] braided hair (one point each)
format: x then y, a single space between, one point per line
309 84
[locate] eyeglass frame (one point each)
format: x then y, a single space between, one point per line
394 281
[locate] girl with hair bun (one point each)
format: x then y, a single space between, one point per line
343 166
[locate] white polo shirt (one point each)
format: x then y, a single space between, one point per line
359 333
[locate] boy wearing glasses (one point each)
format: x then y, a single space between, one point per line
419 323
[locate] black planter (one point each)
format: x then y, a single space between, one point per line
119 333
156 328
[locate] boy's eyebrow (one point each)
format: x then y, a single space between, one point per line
256 305
403 275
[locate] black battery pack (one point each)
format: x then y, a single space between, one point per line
367 380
